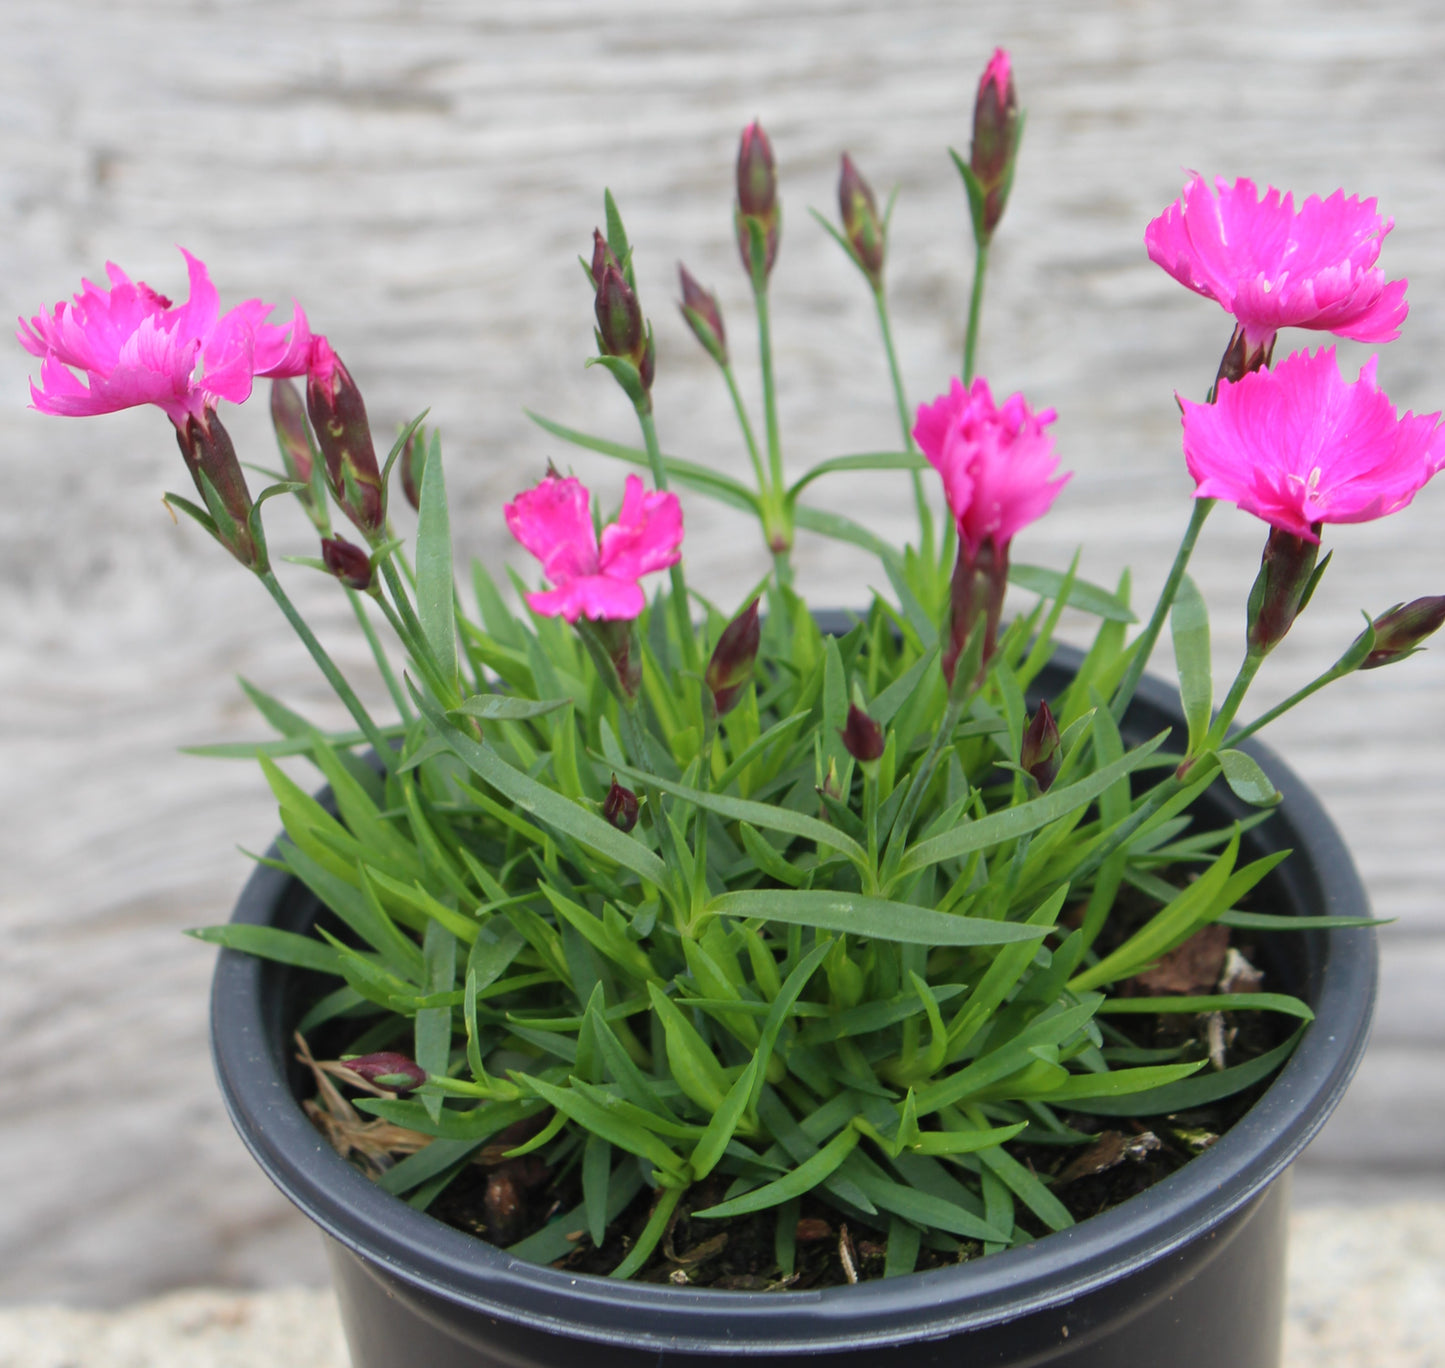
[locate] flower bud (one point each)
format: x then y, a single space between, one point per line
288 417
211 458
1399 632
757 200
1281 588
410 467
862 736
861 224
731 665
388 1069
976 590
620 806
619 316
338 416
1039 754
703 316
757 173
602 256
995 137
348 562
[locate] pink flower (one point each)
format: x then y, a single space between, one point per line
995 462
1273 266
135 347
1299 445
554 522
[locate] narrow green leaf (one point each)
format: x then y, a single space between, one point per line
435 588
1267 921
874 918
1200 1090
267 942
1189 624
1088 598
1011 823
543 803
808 1175
507 707
868 460
1214 1002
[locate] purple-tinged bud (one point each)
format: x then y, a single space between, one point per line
862 736
602 256
757 201
1281 588
861 224
995 137
348 562
1241 357
293 434
731 665
976 590
1039 754
619 317
338 416
620 806
211 458
703 316
408 466
388 1069
1399 632
757 173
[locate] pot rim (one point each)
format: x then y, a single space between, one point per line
468 1272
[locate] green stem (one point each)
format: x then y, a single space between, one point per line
1143 646
1248 668
770 396
652 1232
687 638
413 634
419 657
975 311
754 455
328 667
383 665
925 516
1299 696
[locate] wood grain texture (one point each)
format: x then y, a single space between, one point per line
422 176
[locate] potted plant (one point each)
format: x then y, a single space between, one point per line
772 983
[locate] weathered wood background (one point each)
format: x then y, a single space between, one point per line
422 176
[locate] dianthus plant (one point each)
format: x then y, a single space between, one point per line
739 905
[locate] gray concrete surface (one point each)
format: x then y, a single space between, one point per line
422 175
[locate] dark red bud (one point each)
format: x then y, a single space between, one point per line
757 202
995 136
861 224
620 806
1280 589
703 316
410 466
1039 754
1399 632
208 452
388 1069
602 256
731 665
619 317
862 736
348 562
338 416
976 590
288 417
1241 357
757 173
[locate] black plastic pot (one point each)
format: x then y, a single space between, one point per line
1189 1274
